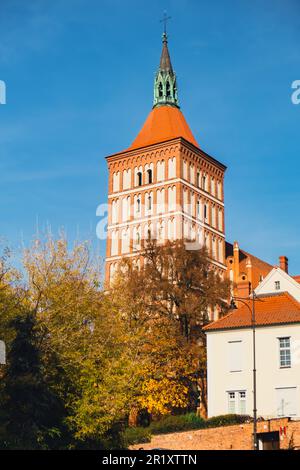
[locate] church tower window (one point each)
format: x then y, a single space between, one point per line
149 172
168 89
160 90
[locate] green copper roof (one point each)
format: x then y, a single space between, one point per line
165 87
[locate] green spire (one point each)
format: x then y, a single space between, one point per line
165 88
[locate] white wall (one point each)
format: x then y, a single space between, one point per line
270 377
287 284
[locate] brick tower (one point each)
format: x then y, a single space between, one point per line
164 186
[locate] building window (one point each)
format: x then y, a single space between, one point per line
205 212
149 172
231 402
237 402
198 209
149 203
198 179
204 182
277 285
139 178
168 90
285 352
160 90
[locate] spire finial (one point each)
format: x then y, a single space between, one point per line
164 20
165 88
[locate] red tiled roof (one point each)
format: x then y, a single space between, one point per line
163 123
297 278
270 309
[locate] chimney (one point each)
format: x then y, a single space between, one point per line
236 262
284 263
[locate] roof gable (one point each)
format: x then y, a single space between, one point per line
287 284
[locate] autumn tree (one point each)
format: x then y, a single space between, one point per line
83 336
169 298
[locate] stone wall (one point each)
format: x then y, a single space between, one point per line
236 437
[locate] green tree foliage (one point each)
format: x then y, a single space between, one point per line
81 360
32 411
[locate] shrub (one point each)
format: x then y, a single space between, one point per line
226 420
176 423
186 422
136 435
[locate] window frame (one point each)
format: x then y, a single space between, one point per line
285 349
237 400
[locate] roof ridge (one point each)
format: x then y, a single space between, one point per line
255 257
271 294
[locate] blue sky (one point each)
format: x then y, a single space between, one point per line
79 77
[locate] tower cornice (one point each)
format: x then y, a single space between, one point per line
158 146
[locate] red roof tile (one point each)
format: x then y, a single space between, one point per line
297 278
270 309
163 123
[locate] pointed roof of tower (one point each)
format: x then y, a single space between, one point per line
165 64
163 123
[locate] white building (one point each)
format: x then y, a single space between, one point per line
278 280
230 355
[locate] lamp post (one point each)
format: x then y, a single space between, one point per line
253 326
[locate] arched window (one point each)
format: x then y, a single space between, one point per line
139 178
160 90
115 208
136 238
205 212
149 202
160 170
149 173
172 167
168 89
114 243
198 209
138 205
125 241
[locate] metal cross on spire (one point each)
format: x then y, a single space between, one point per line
164 20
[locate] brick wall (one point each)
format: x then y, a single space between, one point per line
236 437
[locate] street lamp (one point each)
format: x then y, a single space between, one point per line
253 326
